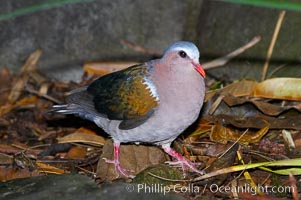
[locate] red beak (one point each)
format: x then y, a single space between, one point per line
199 68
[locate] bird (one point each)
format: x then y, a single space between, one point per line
152 102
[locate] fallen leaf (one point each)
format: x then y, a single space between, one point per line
5 83
77 152
6 159
271 147
134 158
27 68
260 121
83 135
288 139
210 149
279 88
224 134
297 142
103 68
237 89
13 173
23 102
4 122
225 161
13 149
17 88
45 168
265 107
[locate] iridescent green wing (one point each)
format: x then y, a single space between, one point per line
128 95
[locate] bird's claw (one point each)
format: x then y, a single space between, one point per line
181 161
184 163
119 169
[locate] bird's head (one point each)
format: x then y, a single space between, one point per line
184 52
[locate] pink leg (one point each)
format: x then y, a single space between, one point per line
182 161
116 162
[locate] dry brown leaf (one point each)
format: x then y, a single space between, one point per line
288 139
23 102
9 149
103 68
134 158
237 89
224 134
265 107
204 126
4 122
45 168
260 121
298 143
77 152
269 146
38 77
224 161
5 84
279 88
23 77
6 159
13 173
83 135
31 62
17 88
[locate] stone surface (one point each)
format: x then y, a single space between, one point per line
76 187
72 34
224 27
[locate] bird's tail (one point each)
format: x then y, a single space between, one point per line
65 109
79 103
74 109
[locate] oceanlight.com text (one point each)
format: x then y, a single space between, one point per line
213 188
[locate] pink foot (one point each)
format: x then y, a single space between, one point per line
118 168
181 161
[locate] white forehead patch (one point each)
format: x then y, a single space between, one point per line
191 50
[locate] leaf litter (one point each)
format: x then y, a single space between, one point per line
245 125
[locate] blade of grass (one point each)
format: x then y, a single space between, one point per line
247 175
284 4
295 171
289 162
39 7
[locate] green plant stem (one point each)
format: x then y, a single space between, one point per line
39 7
280 4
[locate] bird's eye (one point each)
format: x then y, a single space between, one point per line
183 54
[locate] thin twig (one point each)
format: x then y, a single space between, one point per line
272 44
43 95
139 48
223 60
294 187
234 143
276 70
166 179
208 65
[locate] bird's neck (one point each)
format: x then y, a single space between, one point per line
185 85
